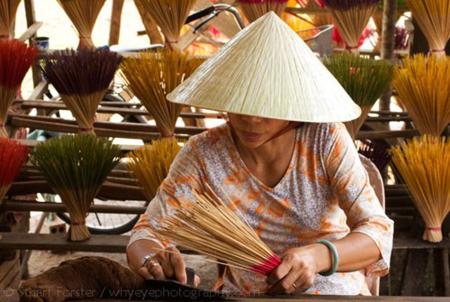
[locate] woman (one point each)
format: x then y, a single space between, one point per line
286 163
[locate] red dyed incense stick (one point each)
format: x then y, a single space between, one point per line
12 156
15 60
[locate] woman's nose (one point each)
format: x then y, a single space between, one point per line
251 119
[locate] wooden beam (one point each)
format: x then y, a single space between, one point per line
316 298
148 132
406 242
118 243
384 134
386 112
446 272
97 243
151 28
12 296
30 32
391 118
39 102
30 171
39 90
388 43
306 10
123 129
63 127
31 20
116 17
33 143
26 206
416 265
106 107
109 190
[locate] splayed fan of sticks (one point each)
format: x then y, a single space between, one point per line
150 163
351 17
151 76
433 18
82 79
12 156
15 60
83 14
364 79
424 166
75 167
210 227
170 15
8 10
422 87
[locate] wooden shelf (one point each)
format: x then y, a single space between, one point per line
97 243
118 243
109 190
25 206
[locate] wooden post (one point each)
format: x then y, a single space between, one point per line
150 26
31 19
446 273
116 16
388 42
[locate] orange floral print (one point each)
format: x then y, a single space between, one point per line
325 194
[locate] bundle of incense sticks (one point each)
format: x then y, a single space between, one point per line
210 227
351 17
75 167
424 166
12 157
15 60
254 9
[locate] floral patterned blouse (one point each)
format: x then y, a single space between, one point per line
324 194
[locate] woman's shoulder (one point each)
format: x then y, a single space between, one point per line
320 131
209 139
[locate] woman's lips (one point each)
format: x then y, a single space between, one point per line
251 136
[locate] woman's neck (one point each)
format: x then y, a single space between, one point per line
271 151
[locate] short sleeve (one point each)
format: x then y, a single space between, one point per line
356 196
184 176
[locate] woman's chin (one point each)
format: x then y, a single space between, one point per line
252 144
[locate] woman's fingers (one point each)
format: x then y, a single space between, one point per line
167 265
304 282
197 281
144 273
279 272
285 285
294 274
156 270
164 259
178 264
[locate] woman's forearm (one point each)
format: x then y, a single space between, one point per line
356 251
138 250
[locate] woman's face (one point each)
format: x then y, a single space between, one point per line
252 131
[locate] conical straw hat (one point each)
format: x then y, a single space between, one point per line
268 71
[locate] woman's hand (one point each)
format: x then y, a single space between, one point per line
298 269
168 264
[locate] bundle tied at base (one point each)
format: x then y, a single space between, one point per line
75 167
82 78
424 166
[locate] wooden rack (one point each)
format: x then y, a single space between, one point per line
121 186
